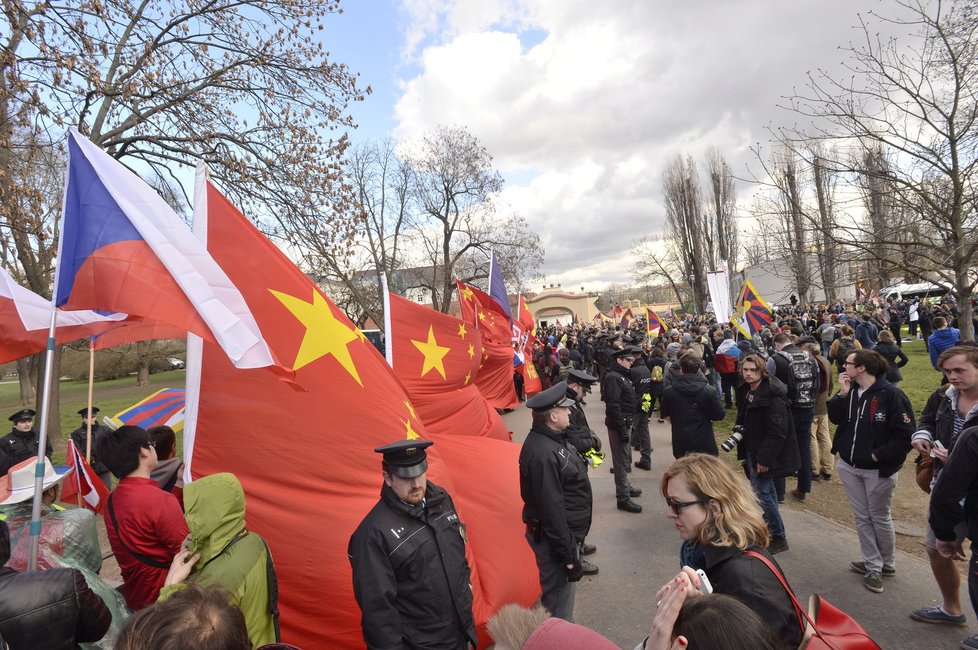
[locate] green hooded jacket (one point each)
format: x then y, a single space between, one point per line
230 555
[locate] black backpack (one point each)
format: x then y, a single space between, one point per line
803 379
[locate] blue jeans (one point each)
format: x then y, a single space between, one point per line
764 489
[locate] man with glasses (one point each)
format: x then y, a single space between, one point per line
21 443
145 525
620 403
556 499
875 421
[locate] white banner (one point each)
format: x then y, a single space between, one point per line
719 285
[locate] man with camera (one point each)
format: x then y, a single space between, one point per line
769 445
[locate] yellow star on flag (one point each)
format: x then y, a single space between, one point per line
482 315
471 351
433 354
409 432
410 409
462 331
325 334
468 378
467 293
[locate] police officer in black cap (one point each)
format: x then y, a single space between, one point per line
620 403
556 499
80 437
410 576
583 438
21 443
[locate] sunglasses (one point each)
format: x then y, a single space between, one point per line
677 506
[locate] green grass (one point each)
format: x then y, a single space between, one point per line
111 396
919 381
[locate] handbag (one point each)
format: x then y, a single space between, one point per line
925 471
825 626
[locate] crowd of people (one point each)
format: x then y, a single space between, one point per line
194 575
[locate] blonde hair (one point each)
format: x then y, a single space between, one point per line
513 624
739 522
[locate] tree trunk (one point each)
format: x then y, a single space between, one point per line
963 292
26 381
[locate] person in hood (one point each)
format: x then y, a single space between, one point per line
169 472
769 445
876 421
944 337
691 404
231 556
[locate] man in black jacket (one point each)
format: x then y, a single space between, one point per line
875 420
583 438
47 609
556 499
80 437
641 377
618 394
21 443
410 576
949 410
691 404
958 484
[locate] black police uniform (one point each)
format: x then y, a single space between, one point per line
557 507
618 394
641 378
80 437
18 446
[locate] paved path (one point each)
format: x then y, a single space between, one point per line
639 553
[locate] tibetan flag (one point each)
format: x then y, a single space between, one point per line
437 357
497 288
495 376
753 312
84 482
626 317
654 324
165 406
306 459
123 249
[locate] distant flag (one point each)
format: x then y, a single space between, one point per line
495 376
626 317
524 321
617 312
497 288
84 481
165 406
123 249
557 322
654 324
752 313
874 296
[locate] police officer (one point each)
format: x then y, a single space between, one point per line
556 499
410 576
80 437
618 394
641 378
21 443
584 439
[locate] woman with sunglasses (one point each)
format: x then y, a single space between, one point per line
718 518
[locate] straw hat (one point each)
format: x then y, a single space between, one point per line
18 485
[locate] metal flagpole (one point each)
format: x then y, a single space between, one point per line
35 528
91 381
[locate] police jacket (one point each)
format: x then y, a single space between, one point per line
958 480
619 398
641 377
49 610
937 420
691 403
556 491
410 576
879 422
768 427
80 437
579 432
17 446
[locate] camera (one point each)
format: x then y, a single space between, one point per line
735 437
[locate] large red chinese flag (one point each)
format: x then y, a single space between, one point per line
524 321
436 357
306 459
495 377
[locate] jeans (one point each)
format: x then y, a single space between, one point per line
766 495
870 497
826 346
728 384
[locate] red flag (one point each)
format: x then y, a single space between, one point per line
437 357
531 380
306 460
84 482
495 377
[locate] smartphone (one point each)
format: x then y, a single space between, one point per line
705 585
938 444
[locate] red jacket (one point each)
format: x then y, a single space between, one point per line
150 524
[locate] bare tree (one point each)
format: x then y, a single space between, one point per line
655 263
916 100
723 209
826 248
684 224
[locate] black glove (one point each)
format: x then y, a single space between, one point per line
576 572
595 443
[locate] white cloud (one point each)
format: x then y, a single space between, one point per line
587 116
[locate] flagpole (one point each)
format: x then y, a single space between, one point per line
388 342
42 445
88 419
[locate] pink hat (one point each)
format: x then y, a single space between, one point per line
558 634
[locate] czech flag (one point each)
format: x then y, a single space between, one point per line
123 249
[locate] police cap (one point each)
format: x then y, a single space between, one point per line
84 412
580 377
553 397
23 414
406 458
625 352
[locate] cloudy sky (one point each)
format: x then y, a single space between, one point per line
581 103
